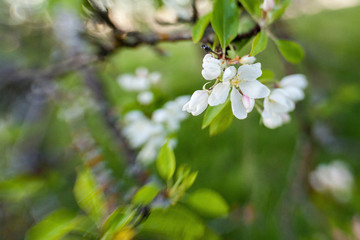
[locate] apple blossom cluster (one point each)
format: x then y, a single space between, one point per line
243 87
140 83
334 178
149 134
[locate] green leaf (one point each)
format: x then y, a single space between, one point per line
175 223
189 180
279 10
251 6
88 196
222 120
146 194
225 21
259 43
211 113
55 226
208 203
291 51
118 219
200 26
166 162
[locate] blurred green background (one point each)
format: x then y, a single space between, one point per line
262 173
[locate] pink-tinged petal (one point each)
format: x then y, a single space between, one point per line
229 73
211 73
294 93
237 106
247 60
249 103
249 72
254 89
219 94
295 80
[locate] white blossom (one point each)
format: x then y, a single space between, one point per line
274 120
132 83
211 67
197 103
334 178
145 98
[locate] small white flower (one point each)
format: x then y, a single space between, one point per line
197 103
211 67
334 178
145 98
294 86
247 59
247 81
268 5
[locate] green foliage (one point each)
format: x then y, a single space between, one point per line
212 112
146 194
251 6
166 162
120 218
55 226
279 10
291 51
88 196
20 188
200 26
225 21
259 43
174 223
208 203
222 121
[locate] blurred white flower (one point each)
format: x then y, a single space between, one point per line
145 98
182 8
334 178
211 67
197 103
268 5
132 83
294 86
274 120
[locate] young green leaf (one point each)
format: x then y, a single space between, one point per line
208 203
211 113
225 20
259 43
279 10
146 194
118 219
53 227
175 222
291 51
189 180
200 26
166 162
222 121
88 195
251 6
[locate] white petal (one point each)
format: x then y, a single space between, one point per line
247 60
279 101
219 94
237 106
249 103
249 72
294 93
229 73
208 58
271 120
254 89
197 103
295 80
211 73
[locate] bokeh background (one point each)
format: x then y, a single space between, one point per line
263 174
